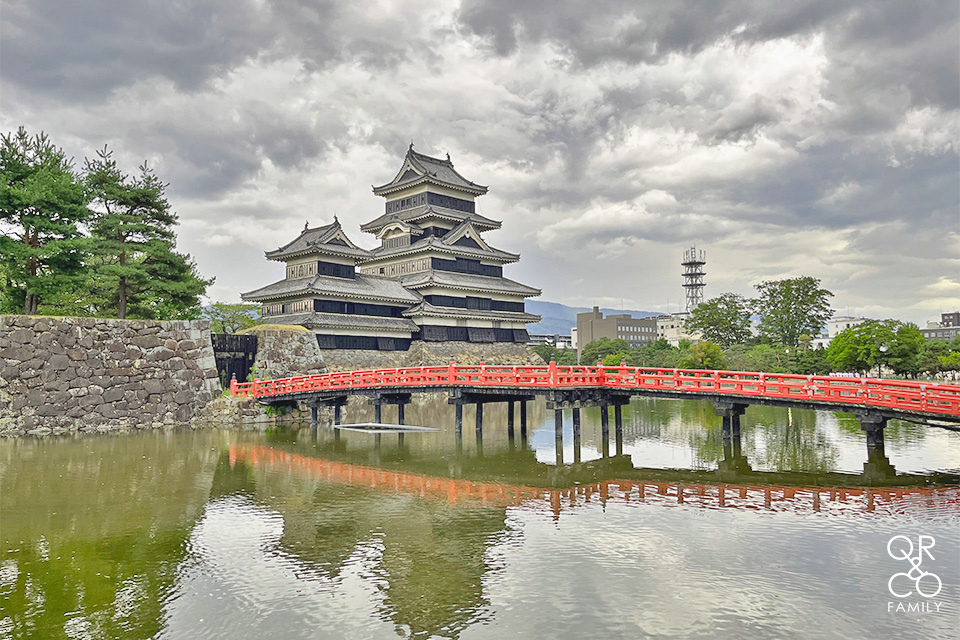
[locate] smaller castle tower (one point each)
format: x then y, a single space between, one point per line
693 263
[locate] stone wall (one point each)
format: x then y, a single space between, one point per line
59 375
423 353
284 351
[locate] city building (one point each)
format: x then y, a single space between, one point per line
670 327
947 329
835 325
593 326
554 340
433 278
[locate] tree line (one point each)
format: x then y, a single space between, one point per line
790 313
90 242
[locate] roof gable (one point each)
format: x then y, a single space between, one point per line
465 230
326 239
419 168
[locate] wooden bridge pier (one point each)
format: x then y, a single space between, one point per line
576 399
730 412
576 435
480 397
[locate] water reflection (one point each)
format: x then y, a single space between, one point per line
296 533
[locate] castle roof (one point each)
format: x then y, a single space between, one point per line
317 320
329 239
466 282
447 244
426 211
362 286
421 169
424 308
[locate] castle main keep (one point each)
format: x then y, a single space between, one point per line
433 278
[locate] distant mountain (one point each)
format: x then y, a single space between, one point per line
560 319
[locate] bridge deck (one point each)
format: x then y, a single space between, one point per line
893 397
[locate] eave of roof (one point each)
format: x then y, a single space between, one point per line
345 321
466 282
362 287
414 214
433 243
427 309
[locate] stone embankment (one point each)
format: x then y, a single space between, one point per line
60 375
63 375
422 354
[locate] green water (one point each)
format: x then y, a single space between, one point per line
300 534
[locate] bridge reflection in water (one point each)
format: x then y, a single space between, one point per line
732 485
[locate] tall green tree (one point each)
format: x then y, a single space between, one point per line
724 320
872 343
42 207
596 350
230 318
792 307
703 355
137 267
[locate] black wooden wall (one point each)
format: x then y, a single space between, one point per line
235 356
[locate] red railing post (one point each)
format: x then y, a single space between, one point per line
553 373
451 373
233 387
256 386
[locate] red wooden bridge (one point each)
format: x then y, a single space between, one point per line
894 398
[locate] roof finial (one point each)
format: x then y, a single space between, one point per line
335 221
411 146
306 224
448 157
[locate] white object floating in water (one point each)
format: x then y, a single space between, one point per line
379 427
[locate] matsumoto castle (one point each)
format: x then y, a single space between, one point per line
433 277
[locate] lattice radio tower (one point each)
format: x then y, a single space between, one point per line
693 262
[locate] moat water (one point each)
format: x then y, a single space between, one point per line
295 533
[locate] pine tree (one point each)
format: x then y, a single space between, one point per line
138 270
42 206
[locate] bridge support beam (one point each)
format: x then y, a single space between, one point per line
605 430
873 424
510 406
558 434
576 435
523 423
618 427
730 412
479 428
458 426
378 399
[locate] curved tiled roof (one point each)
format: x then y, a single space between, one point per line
364 286
437 244
316 320
418 168
430 210
427 309
466 281
328 239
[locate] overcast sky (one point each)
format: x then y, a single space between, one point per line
800 138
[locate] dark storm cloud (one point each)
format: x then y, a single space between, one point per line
620 125
872 43
85 50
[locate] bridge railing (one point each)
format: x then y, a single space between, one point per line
909 395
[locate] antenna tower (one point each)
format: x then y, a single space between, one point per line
693 262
